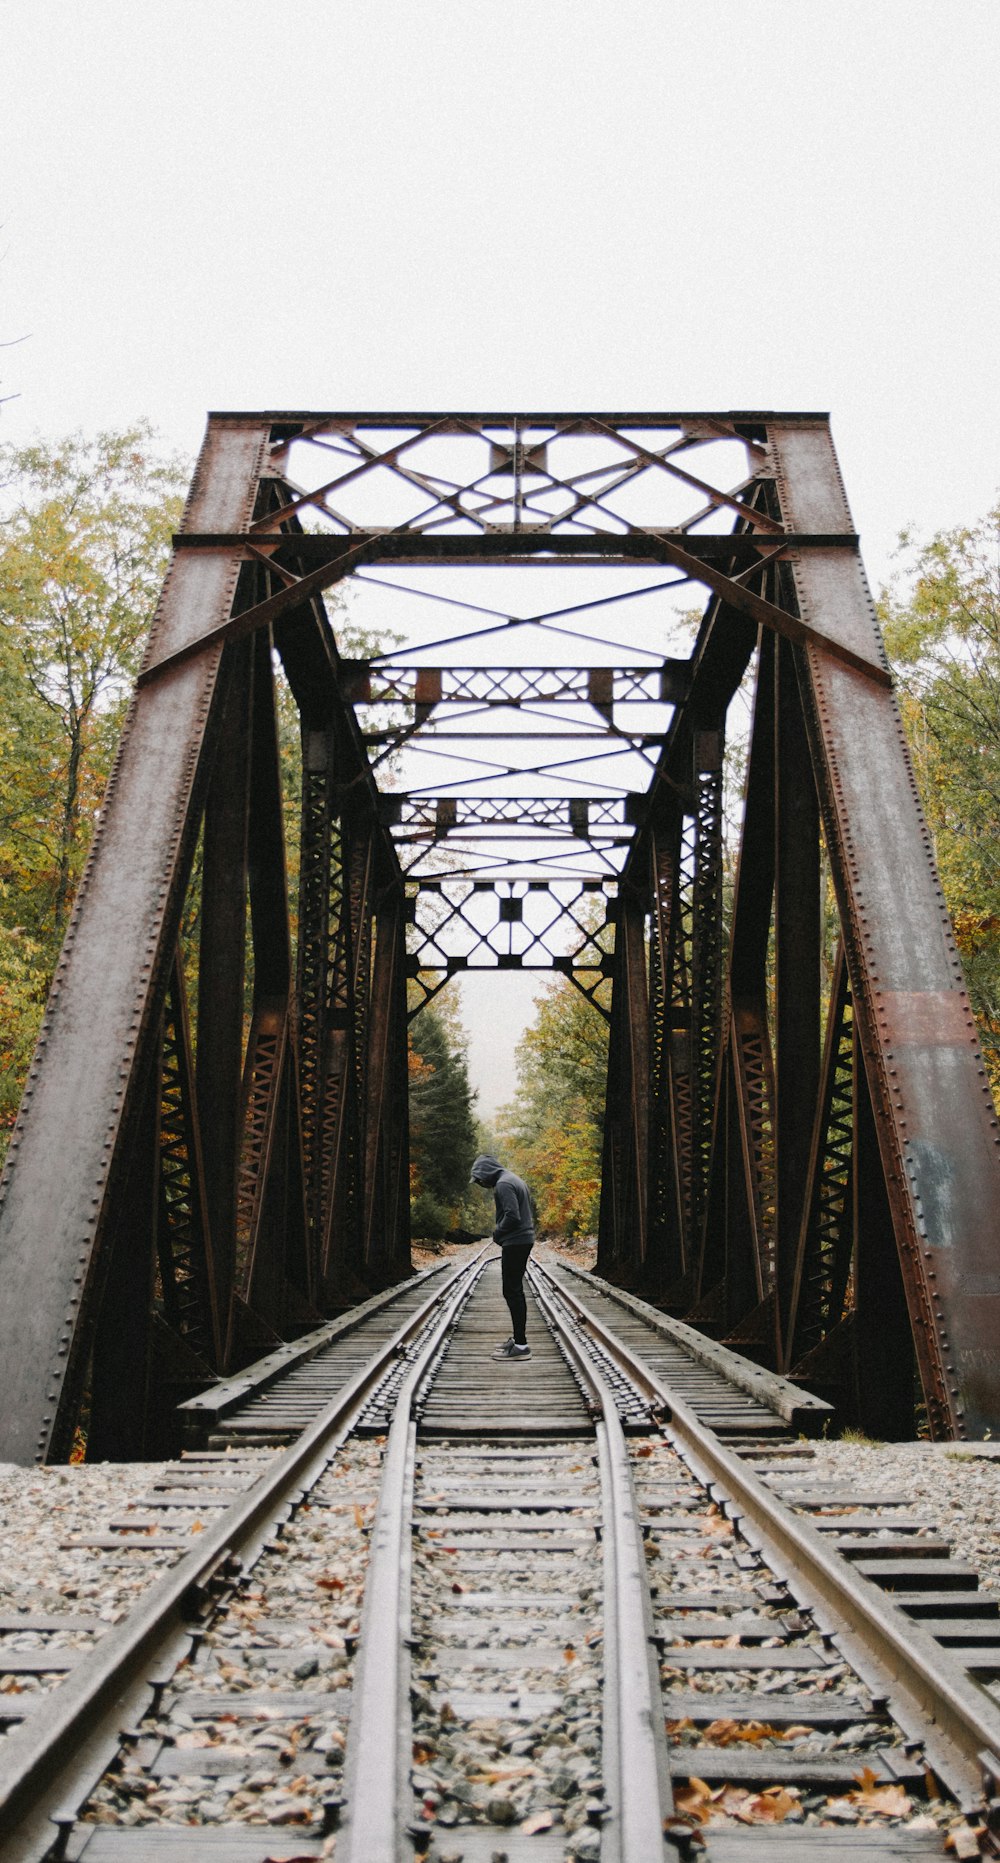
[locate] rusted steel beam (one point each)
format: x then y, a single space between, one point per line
83 1099
797 961
387 1219
739 1238
825 1244
184 1237
938 1134
650 546
288 424
742 549
221 966
622 1238
667 1232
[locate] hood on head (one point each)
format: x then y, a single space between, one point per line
486 1170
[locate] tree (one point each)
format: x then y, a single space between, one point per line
553 1132
85 529
942 626
82 553
442 1125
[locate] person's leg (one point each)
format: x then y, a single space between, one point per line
514 1260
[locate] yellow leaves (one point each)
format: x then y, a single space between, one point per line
887 1801
501 1775
770 1807
725 1733
698 1803
715 1524
359 1518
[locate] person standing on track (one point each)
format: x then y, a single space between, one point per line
515 1233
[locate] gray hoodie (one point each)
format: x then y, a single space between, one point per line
515 1222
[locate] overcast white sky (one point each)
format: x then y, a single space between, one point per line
526 203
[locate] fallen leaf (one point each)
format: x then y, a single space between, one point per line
887 1801
732 1801
359 1519
539 1821
569 1653
694 1801
501 1775
769 1807
727 1733
330 1583
715 1524
962 1841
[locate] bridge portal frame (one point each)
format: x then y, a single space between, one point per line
826 1202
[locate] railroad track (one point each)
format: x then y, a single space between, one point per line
590 1606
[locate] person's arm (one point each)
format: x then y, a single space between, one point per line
508 1214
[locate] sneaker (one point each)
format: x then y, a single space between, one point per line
510 1350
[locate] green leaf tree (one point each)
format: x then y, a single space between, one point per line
942 624
442 1124
553 1132
85 529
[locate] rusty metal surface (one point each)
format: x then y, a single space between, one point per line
937 1129
82 1088
800 1151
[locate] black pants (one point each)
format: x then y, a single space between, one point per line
514 1260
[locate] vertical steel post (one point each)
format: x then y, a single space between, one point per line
101 1029
937 1129
622 1239
797 955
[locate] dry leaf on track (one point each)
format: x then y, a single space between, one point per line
887 1801
769 1807
538 1821
962 1841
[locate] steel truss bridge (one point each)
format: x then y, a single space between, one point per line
800 1146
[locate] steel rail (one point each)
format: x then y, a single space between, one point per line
51 1763
633 1744
932 1696
797 1407
376 1764
210 1407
